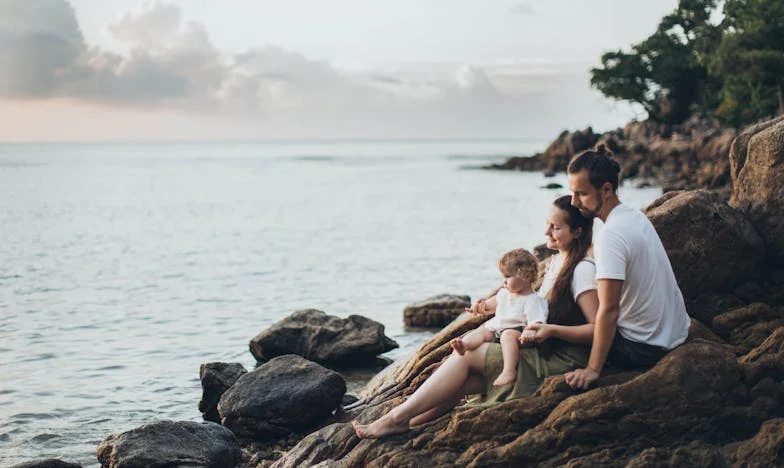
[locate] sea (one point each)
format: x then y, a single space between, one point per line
125 266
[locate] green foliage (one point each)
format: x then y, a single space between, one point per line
734 69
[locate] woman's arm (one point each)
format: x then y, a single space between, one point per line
579 334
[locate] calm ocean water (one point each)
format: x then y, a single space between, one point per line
124 267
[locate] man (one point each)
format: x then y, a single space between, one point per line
641 312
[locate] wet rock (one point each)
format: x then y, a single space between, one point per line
712 247
216 378
283 396
171 443
319 337
47 463
757 165
436 311
552 185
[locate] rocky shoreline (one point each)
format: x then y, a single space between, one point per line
717 400
688 156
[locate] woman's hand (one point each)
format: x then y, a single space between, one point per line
536 333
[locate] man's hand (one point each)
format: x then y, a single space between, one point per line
581 378
538 333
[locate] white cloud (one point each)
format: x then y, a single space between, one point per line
171 64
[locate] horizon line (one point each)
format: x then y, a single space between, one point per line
278 141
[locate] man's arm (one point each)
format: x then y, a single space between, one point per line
604 332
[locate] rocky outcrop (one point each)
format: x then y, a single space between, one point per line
717 400
757 160
47 463
436 311
323 338
678 157
283 396
171 443
712 247
216 378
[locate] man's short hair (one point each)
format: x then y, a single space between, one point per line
600 164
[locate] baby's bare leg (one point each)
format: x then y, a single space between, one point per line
472 340
510 350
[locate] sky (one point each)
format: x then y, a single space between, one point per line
128 70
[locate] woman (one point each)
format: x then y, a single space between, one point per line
562 344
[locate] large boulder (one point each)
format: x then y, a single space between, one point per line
216 378
436 311
764 449
319 337
171 443
712 247
283 396
47 463
757 165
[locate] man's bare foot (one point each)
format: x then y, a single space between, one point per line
379 428
505 378
458 345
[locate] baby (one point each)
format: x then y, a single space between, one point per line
515 305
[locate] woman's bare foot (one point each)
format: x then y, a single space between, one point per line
505 378
381 427
458 345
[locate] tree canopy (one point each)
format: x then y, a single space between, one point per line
733 69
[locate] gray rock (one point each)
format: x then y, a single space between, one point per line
283 396
216 378
319 337
436 311
47 463
171 443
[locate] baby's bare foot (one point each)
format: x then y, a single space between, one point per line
378 428
458 345
505 378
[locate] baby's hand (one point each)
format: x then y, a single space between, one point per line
478 308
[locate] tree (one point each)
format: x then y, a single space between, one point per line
667 73
750 61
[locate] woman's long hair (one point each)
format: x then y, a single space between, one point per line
577 250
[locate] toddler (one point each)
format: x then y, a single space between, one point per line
515 305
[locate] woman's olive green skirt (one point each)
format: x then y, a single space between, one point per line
535 365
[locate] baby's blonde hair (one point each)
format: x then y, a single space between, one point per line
519 263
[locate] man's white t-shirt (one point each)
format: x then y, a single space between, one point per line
513 310
583 279
652 310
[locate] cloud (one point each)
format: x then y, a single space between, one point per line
522 9
171 64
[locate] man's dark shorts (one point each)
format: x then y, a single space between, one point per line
628 354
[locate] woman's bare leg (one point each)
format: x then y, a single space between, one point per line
510 350
442 387
474 384
472 340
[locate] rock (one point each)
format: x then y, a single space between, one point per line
436 311
757 167
541 252
171 443
764 449
688 404
552 185
323 338
283 396
693 454
712 247
747 327
216 378
47 463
